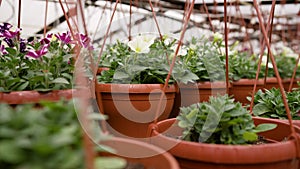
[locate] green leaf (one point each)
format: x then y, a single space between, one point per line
23 86
250 136
120 75
60 80
183 124
110 163
9 152
260 109
11 51
265 127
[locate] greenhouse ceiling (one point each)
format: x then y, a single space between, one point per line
207 15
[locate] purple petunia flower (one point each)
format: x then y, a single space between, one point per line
49 36
2 49
23 45
10 34
5 26
64 37
84 41
44 41
9 42
47 39
38 53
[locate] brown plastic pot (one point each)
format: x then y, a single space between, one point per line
192 155
196 92
243 88
150 156
22 97
272 82
132 107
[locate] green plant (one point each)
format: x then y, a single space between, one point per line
219 121
40 138
269 103
47 137
145 59
205 58
241 66
286 62
37 64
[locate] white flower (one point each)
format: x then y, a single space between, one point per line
230 52
288 52
217 36
182 50
141 44
149 39
264 62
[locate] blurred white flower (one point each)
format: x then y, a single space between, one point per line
217 36
288 52
182 50
264 61
141 43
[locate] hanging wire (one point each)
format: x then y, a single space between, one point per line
226 46
156 22
72 18
174 59
45 20
247 38
19 18
99 21
264 32
208 16
67 19
270 40
294 74
260 59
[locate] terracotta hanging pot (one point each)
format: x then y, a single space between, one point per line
280 153
243 88
22 97
272 82
136 152
196 92
132 107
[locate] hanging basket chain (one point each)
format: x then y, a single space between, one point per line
294 73
173 60
226 46
270 42
260 58
275 68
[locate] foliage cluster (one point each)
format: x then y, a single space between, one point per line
219 121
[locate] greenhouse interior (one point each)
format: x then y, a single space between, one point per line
150 84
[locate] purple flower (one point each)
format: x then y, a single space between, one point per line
49 36
84 41
38 53
2 49
23 45
5 26
10 34
47 39
64 37
44 41
9 42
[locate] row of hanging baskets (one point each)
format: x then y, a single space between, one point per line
195 101
210 130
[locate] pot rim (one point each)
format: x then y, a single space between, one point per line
227 154
134 88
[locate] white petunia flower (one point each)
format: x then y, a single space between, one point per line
264 62
217 36
182 50
139 45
